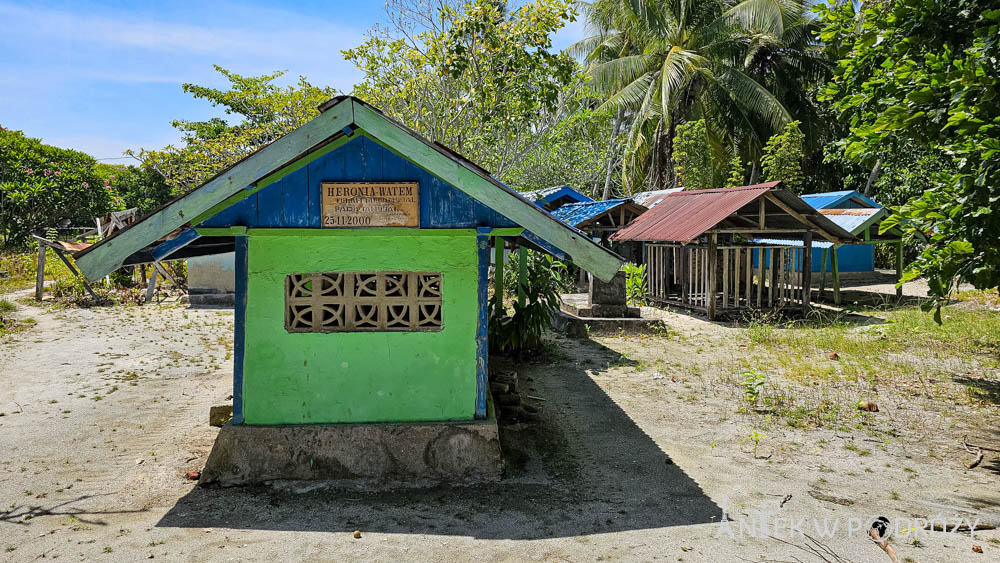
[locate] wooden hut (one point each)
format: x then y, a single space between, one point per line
699 250
362 259
600 218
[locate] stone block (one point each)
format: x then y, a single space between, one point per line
607 293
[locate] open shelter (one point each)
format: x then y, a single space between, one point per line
699 247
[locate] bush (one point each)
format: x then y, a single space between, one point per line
523 330
44 186
635 283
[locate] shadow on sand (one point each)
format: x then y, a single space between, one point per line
584 467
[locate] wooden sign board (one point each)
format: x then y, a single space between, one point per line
395 204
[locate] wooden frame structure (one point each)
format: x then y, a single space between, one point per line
700 250
684 275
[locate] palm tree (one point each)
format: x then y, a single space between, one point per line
663 62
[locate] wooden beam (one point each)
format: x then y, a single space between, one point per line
762 215
40 272
483 316
168 247
109 255
807 267
599 261
151 288
801 218
713 243
822 272
498 247
836 274
522 274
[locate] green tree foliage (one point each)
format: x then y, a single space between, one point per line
693 160
744 67
928 73
783 155
138 186
264 110
42 186
485 81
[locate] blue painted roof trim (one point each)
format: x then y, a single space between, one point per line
548 195
832 200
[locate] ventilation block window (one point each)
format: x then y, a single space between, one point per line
363 301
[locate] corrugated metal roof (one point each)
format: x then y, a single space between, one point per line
684 216
831 200
788 242
554 193
649 199
854 221
577 213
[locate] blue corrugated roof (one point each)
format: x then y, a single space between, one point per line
541 197
833 200
576 213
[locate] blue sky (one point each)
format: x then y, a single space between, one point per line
103 77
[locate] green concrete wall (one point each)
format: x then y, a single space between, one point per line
297 378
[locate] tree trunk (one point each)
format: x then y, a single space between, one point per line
754 173
876 172
611 153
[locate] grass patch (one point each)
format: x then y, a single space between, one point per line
801 350
7 306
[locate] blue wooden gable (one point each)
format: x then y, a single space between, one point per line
294 201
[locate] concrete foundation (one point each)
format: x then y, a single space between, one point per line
357 455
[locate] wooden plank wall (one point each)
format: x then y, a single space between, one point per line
294 200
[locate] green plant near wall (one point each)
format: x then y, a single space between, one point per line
635 283
521 328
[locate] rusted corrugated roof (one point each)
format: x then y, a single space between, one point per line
684 216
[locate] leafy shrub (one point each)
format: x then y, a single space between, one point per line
635 283
523 330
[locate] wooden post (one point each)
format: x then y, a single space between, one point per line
772 293
899 267
807 268
40 273
822 273
151 288
522 274
836 275
713 242
498 245
685 266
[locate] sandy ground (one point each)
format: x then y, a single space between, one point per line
635 456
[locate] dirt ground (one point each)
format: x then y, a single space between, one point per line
638 453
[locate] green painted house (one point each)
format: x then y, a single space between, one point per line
362 259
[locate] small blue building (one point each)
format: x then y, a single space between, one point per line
864 213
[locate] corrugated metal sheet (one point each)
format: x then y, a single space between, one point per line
832 200
555 192
576 213
649 199
684 216
854 221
